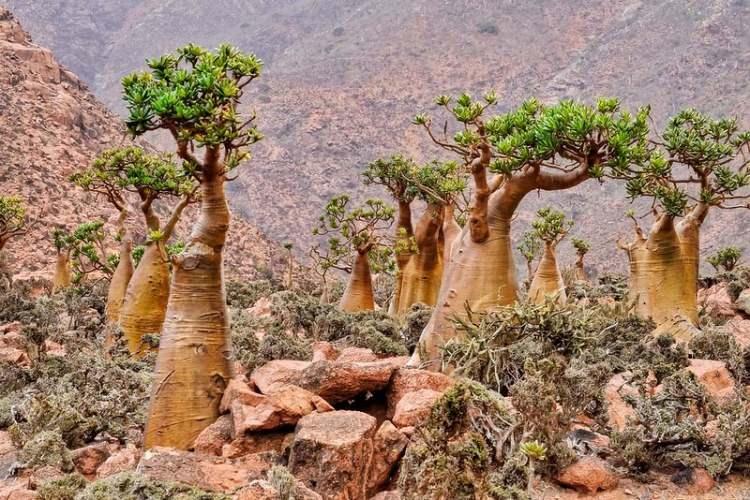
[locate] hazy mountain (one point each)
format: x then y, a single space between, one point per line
343 78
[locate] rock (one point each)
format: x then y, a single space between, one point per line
714 377
337 381
588 474
742 303
6 444
695 481
261 308
122 460
588 441
14 356
387 495
716 301
618 410
277 372
331 453
54 349
88 459
739 328
256 442
16 491
203 471
356 354
414 407
213 438
388 444
237 388
679 328
324 351
264 490
411 379
282 406
44 474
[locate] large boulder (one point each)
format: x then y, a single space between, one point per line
282 405
714 377
337 381
716 301
256 442
389 444
332 453
414 407
203 471
277 372
588 474
407 380
742 303
213 438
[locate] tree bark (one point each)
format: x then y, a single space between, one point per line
580 269
358 295
482 275
62 277
192 367
118 285
402 259
421 277
547 279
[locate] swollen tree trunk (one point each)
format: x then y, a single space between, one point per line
580 269
62 277
145 304
146 300
358 295
481 273
192 367
402 259
547 279
421 277
120 278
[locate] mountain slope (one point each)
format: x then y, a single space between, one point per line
344 77
50 126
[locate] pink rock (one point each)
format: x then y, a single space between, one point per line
714 377
414 407
716 301
739 328
281 371
203 471
88 459
213 438
54 349
261 308
356 354
16 491
409 379
332 453
588 474
14 355
256 442
282 406
389 444
618 410
122 460
238 390
324 351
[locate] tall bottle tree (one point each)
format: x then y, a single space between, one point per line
550 227
358 243
697 163
194 94
533 147
581 247
420 262
150 177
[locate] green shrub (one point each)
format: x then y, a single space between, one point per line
415 320
65 488
46 448
244 294
132 486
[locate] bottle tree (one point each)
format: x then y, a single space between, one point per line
581 247
87 247
124 270
550 227
725 259
63 274
420 261
696 164
534 147
151 177
530 247
194 95
358 244
13 224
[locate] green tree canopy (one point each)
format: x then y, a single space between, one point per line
194 94
581 246
12 218
87 245
530 246
361 229
725 259
551 225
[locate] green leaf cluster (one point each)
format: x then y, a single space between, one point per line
530 246
725 259
551 225
433 182
88 249
12 213
581 246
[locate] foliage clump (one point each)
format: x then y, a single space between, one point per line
244 294
414 321
737 280
725 259
132 486
64 488
467 449
46 448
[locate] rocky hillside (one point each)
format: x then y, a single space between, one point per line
343 79
52 125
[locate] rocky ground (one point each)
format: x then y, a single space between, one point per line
322 406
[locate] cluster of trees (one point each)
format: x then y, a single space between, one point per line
448 244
